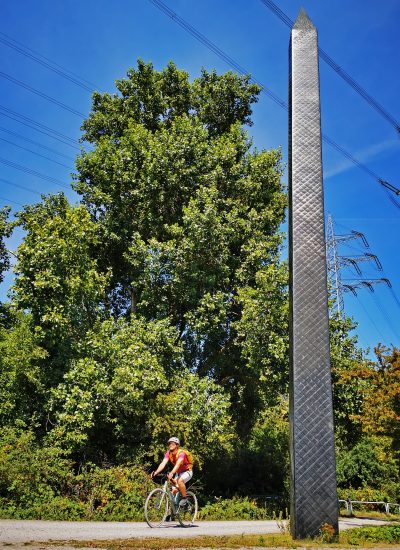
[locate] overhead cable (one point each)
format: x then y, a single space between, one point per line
7 182
10 200
214 48
230 61
34 142
338 69
35 153
47 63
39 127
41 94
32 172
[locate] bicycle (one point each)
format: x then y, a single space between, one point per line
160 503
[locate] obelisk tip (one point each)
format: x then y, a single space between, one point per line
303 22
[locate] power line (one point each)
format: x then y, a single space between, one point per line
10 200
214 48
33 172
384 313
41 94
20 186
19 136
47 63
370 319
35 153
39 127
230 61
338 70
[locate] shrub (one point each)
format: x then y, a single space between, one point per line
383 533
29 474
112 494
40 483
233 509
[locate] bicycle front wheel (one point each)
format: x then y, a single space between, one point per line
187 514
156 507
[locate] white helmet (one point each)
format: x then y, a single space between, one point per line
174 440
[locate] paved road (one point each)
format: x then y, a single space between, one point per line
19 532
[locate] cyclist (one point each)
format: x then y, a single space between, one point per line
182 470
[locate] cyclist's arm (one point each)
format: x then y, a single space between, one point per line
161 467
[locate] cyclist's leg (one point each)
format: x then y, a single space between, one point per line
183 478
174 483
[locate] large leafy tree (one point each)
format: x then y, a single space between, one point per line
57 277
188 215
5 231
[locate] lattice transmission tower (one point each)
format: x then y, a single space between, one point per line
336 262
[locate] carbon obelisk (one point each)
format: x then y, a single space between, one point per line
313 466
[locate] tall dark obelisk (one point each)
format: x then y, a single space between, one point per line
313 469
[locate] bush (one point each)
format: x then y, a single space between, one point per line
30 476
368 463
112 494
58 508
235 508
383 533
40 483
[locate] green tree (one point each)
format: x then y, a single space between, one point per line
126 393
57 279
369 464
188 215
5 231
22 380
347 362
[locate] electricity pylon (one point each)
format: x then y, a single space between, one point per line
336 262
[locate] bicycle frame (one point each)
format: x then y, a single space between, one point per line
167 490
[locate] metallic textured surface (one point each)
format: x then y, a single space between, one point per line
313 469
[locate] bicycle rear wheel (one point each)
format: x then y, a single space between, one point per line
156 507
187 514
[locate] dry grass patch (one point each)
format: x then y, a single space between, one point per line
233 541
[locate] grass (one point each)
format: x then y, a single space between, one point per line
367 537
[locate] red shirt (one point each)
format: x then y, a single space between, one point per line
174 458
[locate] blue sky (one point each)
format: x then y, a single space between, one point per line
99 40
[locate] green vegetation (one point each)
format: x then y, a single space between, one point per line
367 537
158 305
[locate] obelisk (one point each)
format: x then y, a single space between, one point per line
313 468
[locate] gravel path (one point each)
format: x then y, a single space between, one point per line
17 532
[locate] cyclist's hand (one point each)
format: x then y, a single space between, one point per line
170 475
152 474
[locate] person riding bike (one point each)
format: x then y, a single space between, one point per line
182 470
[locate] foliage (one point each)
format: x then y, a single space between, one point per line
39 482
381 410
29 474
5 231
235 508
198 411
22 380
189 216
348 388
57 279
327 533
129 391
382 533
369 465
